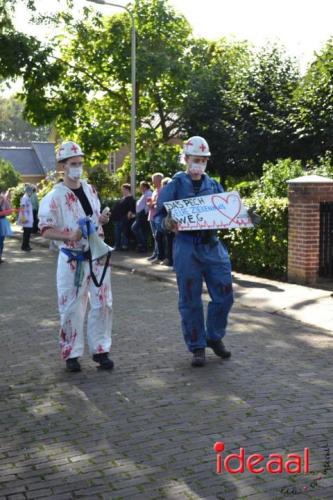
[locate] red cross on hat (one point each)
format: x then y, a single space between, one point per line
74 148
202 147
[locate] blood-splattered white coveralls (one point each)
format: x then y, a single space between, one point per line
60 209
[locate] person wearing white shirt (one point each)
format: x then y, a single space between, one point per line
25 218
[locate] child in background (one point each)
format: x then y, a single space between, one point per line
26 218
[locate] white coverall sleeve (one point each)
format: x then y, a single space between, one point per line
48 213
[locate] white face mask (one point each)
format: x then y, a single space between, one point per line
75 173
197 168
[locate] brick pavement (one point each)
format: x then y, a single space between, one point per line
146 430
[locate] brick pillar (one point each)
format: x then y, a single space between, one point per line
305 195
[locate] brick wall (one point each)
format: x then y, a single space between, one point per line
305 195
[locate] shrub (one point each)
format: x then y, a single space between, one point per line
262 250
44 187
107 184
273 183
8 175
322 166
16 195
246 188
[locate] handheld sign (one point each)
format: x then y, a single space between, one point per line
214 211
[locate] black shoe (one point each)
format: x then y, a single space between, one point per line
105 363
199 358
72 365
219 348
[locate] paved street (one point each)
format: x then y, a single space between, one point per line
147 429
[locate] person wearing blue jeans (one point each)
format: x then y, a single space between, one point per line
139 227
120 238
198 256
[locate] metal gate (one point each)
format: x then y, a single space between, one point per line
326 240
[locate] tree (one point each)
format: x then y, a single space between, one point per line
162 158
14 127
312 117
250 107
214 96
268 102
22 56
88 94
19 53
8 175
104 182
241 103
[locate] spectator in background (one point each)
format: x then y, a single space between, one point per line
120 215
5 229
168 236
26 218
139 226
35 206
158 252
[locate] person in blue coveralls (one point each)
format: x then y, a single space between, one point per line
198 255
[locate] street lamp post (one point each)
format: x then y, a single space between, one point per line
133 73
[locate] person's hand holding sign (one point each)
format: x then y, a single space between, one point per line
255 218
170 224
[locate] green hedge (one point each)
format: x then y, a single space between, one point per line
263 250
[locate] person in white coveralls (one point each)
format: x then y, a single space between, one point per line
61 213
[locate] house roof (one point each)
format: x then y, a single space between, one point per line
34 158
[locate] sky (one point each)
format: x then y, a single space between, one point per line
302 26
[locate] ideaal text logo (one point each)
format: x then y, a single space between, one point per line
256 463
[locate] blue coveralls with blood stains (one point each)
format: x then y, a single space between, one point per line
196 260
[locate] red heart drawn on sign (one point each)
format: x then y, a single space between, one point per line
234 206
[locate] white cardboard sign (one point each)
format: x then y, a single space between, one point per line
214 211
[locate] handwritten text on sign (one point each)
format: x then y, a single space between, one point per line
214 211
